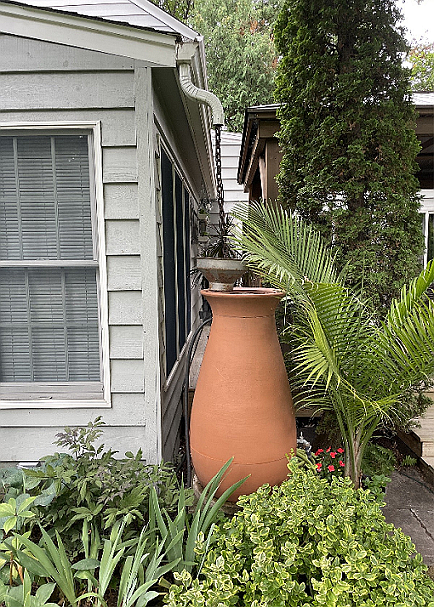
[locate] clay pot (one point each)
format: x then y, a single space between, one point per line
242 406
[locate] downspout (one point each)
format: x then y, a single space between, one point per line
218 118
200 95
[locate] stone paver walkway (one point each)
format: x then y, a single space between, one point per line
410 506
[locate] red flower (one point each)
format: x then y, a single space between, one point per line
319 451
319 466
340 450
333 454
331 468
328 450
341 464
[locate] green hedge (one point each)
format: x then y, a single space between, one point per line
308 542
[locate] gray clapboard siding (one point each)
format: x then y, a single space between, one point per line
126 341
30 444
120 201
63 90
122 237
117 126
125 308
127 376
119 414
27 55
124 273
119 165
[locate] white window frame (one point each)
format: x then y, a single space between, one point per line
426 209
77 397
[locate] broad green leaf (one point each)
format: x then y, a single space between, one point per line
31 564
9 524
86 564
44 592
7 509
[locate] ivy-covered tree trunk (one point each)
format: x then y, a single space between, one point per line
348 138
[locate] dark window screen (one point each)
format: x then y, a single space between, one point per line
180 261
169 261
187 256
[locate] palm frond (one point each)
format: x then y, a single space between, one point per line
410 295
282 247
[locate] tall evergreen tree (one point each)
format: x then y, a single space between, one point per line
180 9
241 57
347 133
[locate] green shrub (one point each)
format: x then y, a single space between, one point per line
92 485
308 542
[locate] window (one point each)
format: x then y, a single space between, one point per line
427 215
50 327
176 261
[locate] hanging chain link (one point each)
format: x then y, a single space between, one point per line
220 191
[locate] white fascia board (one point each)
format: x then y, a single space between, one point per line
155 48
167 19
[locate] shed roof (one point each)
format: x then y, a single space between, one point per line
136 13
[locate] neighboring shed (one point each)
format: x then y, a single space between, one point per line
260 154
260 157
102 162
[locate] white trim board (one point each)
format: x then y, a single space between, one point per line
155 48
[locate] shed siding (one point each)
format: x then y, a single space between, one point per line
87 86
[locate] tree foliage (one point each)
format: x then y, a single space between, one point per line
240 52
180 9
347 133
421 57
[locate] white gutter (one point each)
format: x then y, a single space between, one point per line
200 95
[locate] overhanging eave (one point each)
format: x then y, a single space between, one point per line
157 49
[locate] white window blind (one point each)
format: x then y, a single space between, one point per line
48 274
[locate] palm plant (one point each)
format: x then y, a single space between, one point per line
344 359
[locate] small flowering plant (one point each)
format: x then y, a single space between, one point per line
330 463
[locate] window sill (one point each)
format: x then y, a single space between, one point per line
52 396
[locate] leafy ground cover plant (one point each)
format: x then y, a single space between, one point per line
185 531
21 596
117 560
92 484
310 542
13 515
378 460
